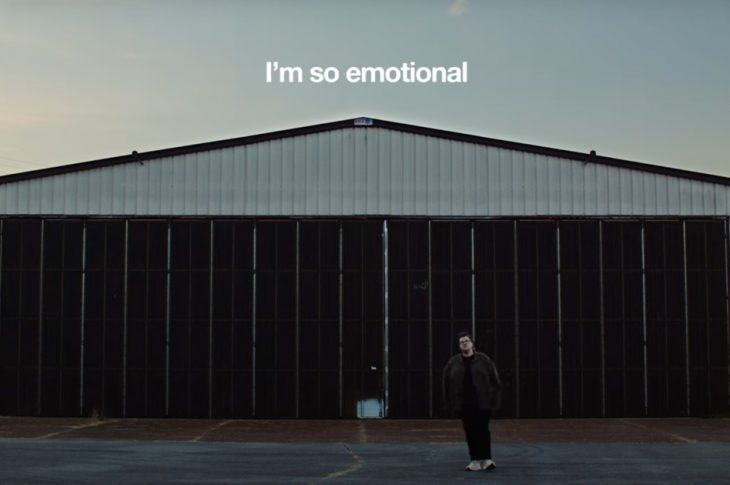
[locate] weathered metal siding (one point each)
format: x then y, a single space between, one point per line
364 171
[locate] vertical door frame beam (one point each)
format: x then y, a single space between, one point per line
644 343
168 275
210 320
686 313
430 325
297 322
386 381
603 318
560 322
82 335
473 283
706 273
517 315
40 322
124 318
727 300
340 316
253 322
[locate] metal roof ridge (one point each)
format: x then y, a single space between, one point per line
363 122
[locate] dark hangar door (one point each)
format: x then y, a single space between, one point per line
362 309
319 319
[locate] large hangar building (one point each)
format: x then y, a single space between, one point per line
323 272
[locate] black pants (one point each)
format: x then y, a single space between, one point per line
478 437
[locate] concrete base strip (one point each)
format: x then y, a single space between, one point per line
362 436
92 424
674 436
358 464
681 438
214 428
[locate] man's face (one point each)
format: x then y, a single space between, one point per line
466 345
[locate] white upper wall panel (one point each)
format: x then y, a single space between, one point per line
363 171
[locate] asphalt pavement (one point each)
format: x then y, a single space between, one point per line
167 451
26 461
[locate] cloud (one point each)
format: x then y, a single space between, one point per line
458 8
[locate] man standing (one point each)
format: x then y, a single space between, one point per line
471 389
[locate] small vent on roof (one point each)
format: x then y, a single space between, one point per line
363 122
591 157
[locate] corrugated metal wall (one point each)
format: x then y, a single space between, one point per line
159 314
356 317
364 171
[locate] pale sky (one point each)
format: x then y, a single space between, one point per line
643 80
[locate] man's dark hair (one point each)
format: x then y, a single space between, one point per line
464 334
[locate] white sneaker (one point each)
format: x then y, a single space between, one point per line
473 466
487 464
